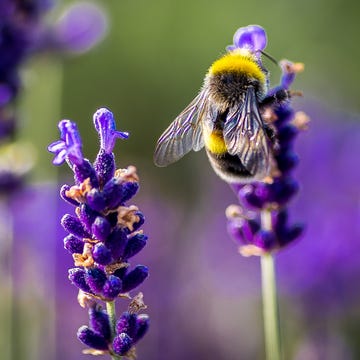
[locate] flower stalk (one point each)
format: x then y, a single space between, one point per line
270 308
110 309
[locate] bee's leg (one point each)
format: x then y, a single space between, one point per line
270 132
275 97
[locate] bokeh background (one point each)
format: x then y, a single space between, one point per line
203 297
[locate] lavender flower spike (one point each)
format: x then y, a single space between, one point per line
103 236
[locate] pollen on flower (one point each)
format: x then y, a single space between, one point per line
137 304
129 174
251 250
85 300
85 259
94 352
292 68
301 120
233 211
78 193
127 216
110 269
269 115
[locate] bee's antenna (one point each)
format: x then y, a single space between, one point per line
270 57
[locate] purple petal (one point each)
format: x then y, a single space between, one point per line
252 37
104 123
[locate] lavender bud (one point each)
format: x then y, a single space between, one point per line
85 171
242 230
287 160
87 216
116 242
74 226
293 233
73 244
101 254
134 245
112 193
77 278
105 166
112 287
143 324
254 195
129 189
91 339
284 114
141 221
96 279
122 344
283 189
99 322
134 278
286 134
123 322
101 228
96 200
265 240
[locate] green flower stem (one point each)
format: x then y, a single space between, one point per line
110 309
270 305
7 299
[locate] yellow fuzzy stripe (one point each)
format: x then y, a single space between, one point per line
238 63
215 143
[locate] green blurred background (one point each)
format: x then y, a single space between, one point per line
155 56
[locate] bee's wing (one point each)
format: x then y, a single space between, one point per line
183 134
245 136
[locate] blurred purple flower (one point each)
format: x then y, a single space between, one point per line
23 33
80 28
324 267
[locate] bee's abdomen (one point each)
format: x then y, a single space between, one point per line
228 167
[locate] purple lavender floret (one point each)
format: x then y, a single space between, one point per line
104 233
99 321
252 38
130 328
90 338
274 193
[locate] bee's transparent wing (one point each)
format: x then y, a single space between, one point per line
245 136
183 134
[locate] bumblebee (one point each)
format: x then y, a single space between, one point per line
226 118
